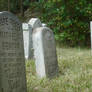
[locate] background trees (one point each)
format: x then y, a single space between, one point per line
69 19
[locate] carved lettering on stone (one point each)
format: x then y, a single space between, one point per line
12 63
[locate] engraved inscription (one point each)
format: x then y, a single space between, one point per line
12 63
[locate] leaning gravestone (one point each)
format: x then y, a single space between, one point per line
12 63
27 35
45 52
35 23
91 34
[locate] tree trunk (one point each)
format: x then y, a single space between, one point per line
9 5
21 8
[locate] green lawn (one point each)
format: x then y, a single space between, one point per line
75 73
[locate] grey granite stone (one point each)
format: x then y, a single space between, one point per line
45 52
12 62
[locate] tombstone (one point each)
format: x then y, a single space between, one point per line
30 43
44 25
12 63
26 38
91 34
35 23
0 79
45 52
27 35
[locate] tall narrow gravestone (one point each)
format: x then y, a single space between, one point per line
12 63
27 36
91 34
45 52
33 23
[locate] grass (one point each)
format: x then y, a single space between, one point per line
75 73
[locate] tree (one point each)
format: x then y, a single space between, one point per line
8 5
21 7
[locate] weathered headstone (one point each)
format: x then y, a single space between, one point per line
35 23
45 52
44 25
26 38
31 56
12 63
0 79
91 34
28 44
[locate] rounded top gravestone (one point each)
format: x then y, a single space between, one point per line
35 23
12 63
45 52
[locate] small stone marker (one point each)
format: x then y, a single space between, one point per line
12 63
28 44
91 34
35 23
45 52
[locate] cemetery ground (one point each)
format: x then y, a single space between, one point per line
75 73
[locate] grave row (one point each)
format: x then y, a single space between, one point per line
27 35
38 41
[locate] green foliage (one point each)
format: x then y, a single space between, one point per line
3 5
14 5
26 3
68 19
